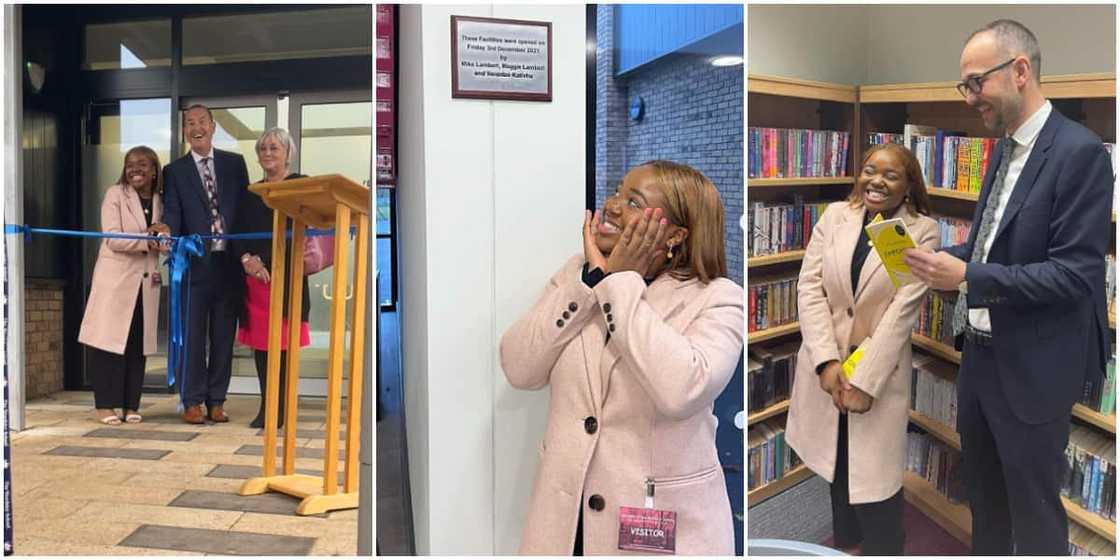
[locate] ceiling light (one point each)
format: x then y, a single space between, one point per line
727 61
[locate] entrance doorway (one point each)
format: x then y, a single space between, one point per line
333 134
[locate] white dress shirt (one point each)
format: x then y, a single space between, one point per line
1025 138
209 163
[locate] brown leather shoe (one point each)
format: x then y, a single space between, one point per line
217 414
193 415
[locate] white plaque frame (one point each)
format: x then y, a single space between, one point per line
501 59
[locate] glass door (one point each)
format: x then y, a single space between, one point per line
334 133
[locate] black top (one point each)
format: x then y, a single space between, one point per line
146 204
863 247
253 216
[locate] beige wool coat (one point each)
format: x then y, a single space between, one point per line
123 267
650 389
833 323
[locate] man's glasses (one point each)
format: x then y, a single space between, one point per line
975 84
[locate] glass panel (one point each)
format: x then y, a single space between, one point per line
278 36
384 271
237 131
384 212
115 128
133 44
334 138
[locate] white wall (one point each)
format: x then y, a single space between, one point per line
887 44
923 43
490 204
822 43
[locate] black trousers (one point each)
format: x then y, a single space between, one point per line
211 329
117 378
877 526
1013 470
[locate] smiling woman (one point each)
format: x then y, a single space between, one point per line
649 304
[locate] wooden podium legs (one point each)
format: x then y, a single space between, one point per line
318 493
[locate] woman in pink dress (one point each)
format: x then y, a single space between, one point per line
275 150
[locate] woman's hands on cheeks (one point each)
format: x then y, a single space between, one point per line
641 243
591 252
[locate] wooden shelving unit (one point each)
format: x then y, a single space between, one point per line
767 260
773 332
954 518
943 351
768 412
798 182
1103 527
1105 422
935 192
794 476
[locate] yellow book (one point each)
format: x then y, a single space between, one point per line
890 238
849 365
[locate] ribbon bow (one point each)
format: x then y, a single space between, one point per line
179 265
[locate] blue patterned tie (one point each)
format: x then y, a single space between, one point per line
987 228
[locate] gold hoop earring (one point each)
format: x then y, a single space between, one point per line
669 254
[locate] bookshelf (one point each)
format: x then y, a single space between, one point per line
766 260
1103 527
773 332
1086 98
792 478
768 412
753 183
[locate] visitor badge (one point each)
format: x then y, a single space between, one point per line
646 529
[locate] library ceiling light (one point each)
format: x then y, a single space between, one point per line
727 61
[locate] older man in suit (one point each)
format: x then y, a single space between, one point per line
201 192
1031 304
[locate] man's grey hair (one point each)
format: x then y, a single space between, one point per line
282 137
1015 39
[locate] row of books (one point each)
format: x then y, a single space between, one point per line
777 228
771 302
933 391
1100 394
787 152
1110 281
949 160
1084 542
876 138
770 375
937 463
935 320
768 456
953 231
1090 478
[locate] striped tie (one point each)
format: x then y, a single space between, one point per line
987 228
217 226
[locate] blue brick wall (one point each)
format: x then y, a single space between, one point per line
693 115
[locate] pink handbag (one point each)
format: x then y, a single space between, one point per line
318 253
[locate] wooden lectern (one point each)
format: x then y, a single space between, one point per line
320 202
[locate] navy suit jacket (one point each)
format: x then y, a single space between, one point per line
1044 280
186 209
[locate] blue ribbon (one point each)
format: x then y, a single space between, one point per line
183 247
179 266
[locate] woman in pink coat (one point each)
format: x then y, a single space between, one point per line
636 338
844 298
119 326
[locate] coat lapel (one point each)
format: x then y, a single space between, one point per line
843 245
1030 171
593 337
190 168
132 202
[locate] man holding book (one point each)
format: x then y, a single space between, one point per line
1031 312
